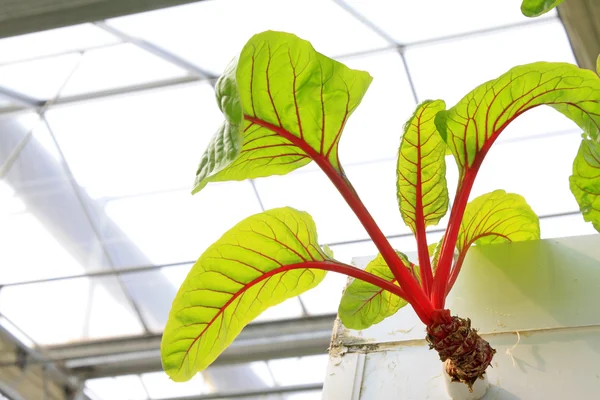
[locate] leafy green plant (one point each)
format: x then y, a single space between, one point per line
286 105
535 8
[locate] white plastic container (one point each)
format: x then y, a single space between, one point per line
537 303
460 391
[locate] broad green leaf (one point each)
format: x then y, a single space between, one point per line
471 126
598 65
257 264
585 181
431 249
535 8
294 103
497 217
421 188
364 304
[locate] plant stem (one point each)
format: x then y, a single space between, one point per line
447 251
420 235
413 293
357 273
440 282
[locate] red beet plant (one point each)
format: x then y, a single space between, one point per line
286 105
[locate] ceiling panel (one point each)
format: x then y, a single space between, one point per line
197 32
413 21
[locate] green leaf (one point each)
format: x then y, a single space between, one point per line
294 103
535 8
598 65
437 249
327 250
471 126
497 217
421 188
226 144
364 304
585 181
257 264
431 249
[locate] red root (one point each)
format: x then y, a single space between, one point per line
467 353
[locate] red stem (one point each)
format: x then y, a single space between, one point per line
423 250
412 290
442 276
345 269
447 251
322 265
420 235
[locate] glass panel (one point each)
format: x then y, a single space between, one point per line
346 252
412 21
72 38
406 244
42 210
374 182
5 102
316 395
40 79
127 387
373 132
70 310
23 232
312 192
189 30
300 370
11 203
160 386
325 298
538 169
570 225
153 140
118 66
290 308
238 377
468 63
183 226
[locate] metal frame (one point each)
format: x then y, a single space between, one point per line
135 355
581 21
259 341
255 393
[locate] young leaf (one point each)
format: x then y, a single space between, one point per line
431 249
497 217
535 8
285 104
471 126
437 247
421 188
259 263
364 304
585 181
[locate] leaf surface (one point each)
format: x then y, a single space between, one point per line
421 187
364 304
473 124
257 264
585 181
294 103
497 217
535 8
